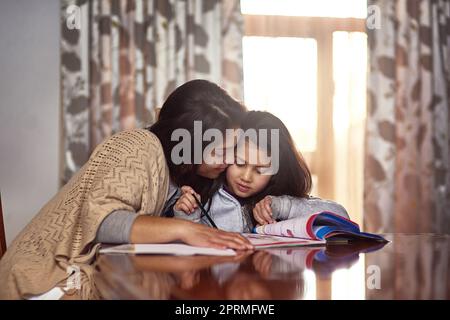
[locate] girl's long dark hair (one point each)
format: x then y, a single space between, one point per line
196 100
293 177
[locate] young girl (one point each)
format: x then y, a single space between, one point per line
249 193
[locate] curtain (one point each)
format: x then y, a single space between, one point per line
121 58
407 174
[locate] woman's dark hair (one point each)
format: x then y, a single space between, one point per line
196 100
293 177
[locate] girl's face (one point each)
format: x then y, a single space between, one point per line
246 177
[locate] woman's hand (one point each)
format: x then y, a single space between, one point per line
262 261
150 229
262 212
186 202
203 236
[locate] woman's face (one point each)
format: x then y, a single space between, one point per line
216 163
248 175
211 171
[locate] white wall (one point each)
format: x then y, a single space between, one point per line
29 108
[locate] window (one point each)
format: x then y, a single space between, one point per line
290 90
306 62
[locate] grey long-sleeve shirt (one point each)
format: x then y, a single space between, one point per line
288 207
116 227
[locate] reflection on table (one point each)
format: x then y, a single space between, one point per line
409 267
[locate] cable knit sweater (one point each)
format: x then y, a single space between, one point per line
128 172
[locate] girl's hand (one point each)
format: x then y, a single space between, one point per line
203 236
262 212
186 202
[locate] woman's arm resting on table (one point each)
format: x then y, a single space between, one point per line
150 229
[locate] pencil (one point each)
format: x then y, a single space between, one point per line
205 213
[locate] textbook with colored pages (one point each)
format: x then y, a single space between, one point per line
322 226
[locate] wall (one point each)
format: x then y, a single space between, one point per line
29 108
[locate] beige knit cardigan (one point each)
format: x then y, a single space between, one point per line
128 171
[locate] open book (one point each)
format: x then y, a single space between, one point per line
319 226
264 241
170 248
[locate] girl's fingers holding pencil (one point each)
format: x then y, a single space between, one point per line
189 198
185 205
185 208
189 190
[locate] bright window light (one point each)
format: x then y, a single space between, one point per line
280 76
349 284
310 285
349 73
312 8
349 114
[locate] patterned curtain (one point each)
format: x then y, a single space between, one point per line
407 177
121 58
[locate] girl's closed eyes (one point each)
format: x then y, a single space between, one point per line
246 178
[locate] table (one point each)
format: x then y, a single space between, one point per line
410 266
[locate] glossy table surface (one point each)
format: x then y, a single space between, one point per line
410 266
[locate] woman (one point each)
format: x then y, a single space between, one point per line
129 172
